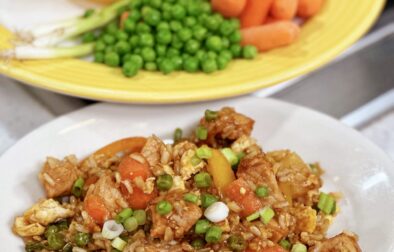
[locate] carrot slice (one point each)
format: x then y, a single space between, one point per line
284 9
270 36
309 8
229 8
95 207
255 13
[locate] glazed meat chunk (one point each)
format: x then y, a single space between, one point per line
340 243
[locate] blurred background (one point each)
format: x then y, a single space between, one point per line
356 88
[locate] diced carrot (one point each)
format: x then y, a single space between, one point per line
270 36
130 169
95 207
240 192
229 8
284 9
309 8
123 18
255 13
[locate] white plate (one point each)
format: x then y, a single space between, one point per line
354 166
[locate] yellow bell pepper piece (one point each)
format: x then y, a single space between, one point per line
220 170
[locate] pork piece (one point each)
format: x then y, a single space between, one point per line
108 191
341 243
157 154
175 224
227 127
258 171
58 176
295 178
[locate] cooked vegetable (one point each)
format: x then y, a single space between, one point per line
81 239
266 215
326 203
164 182
118 244
163 207
203 180
230 155
284 243
202 132
216 212
56 241
255 13
236 243
124 146
95 207
123 215
208 199
190 197
78 187
140 216
197 243
210 115
204 152
309 8
111 229
284 9
270 36
130 224
220 169
299 247
202 226
229 8
261 191
213 234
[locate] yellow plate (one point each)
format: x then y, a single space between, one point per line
336 27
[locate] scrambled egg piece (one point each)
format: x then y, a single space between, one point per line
23 228
46 212
187 166
242 143
179 184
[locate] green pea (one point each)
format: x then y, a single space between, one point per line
194 8
81 239
152 17
161 50
219 18
191 64
156 3
137 50
209 65
56 241
213 234
88 37
164 182
212 23
130 69
122 47
202 226
134 41
99 57
129 25
176 42
99 46
130 224
148 54
166 15
172 52
190 21
206 7
109 49
150 66
163 25
134 15
226 54
166 6
62 225
200 32
52 229
175 25
211 55
166 66
208 199
135 4
163 207
112 59
178 12
137 60
237 243
192 46
109 39
222 62
111 28
147 39
143 28
121 36
225 42
236 50
178 62
164 37
140 215
34 246
184 34
235 23
226 28
249 52
200 55
214 43
202 179
235 37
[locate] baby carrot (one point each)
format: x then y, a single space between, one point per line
270 36
255 13
308 8
229 8
284 9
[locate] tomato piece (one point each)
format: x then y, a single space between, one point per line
95 207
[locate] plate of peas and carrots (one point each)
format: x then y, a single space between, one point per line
168 51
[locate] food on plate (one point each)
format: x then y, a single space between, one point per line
215 190
171 35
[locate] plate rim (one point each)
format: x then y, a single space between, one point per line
185 96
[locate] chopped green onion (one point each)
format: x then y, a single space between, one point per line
236 243
230 156
164 182
163 207
213 234
78 187
123 215
202 226
208 199
326 203
177 135
140 215
261 191
198 243
111 229
203 180
314 168
299 247
130 224
119 244
201 133
204 152
81 239
34 246
266 215
190 197
195 160
253 216
284 243
210 115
